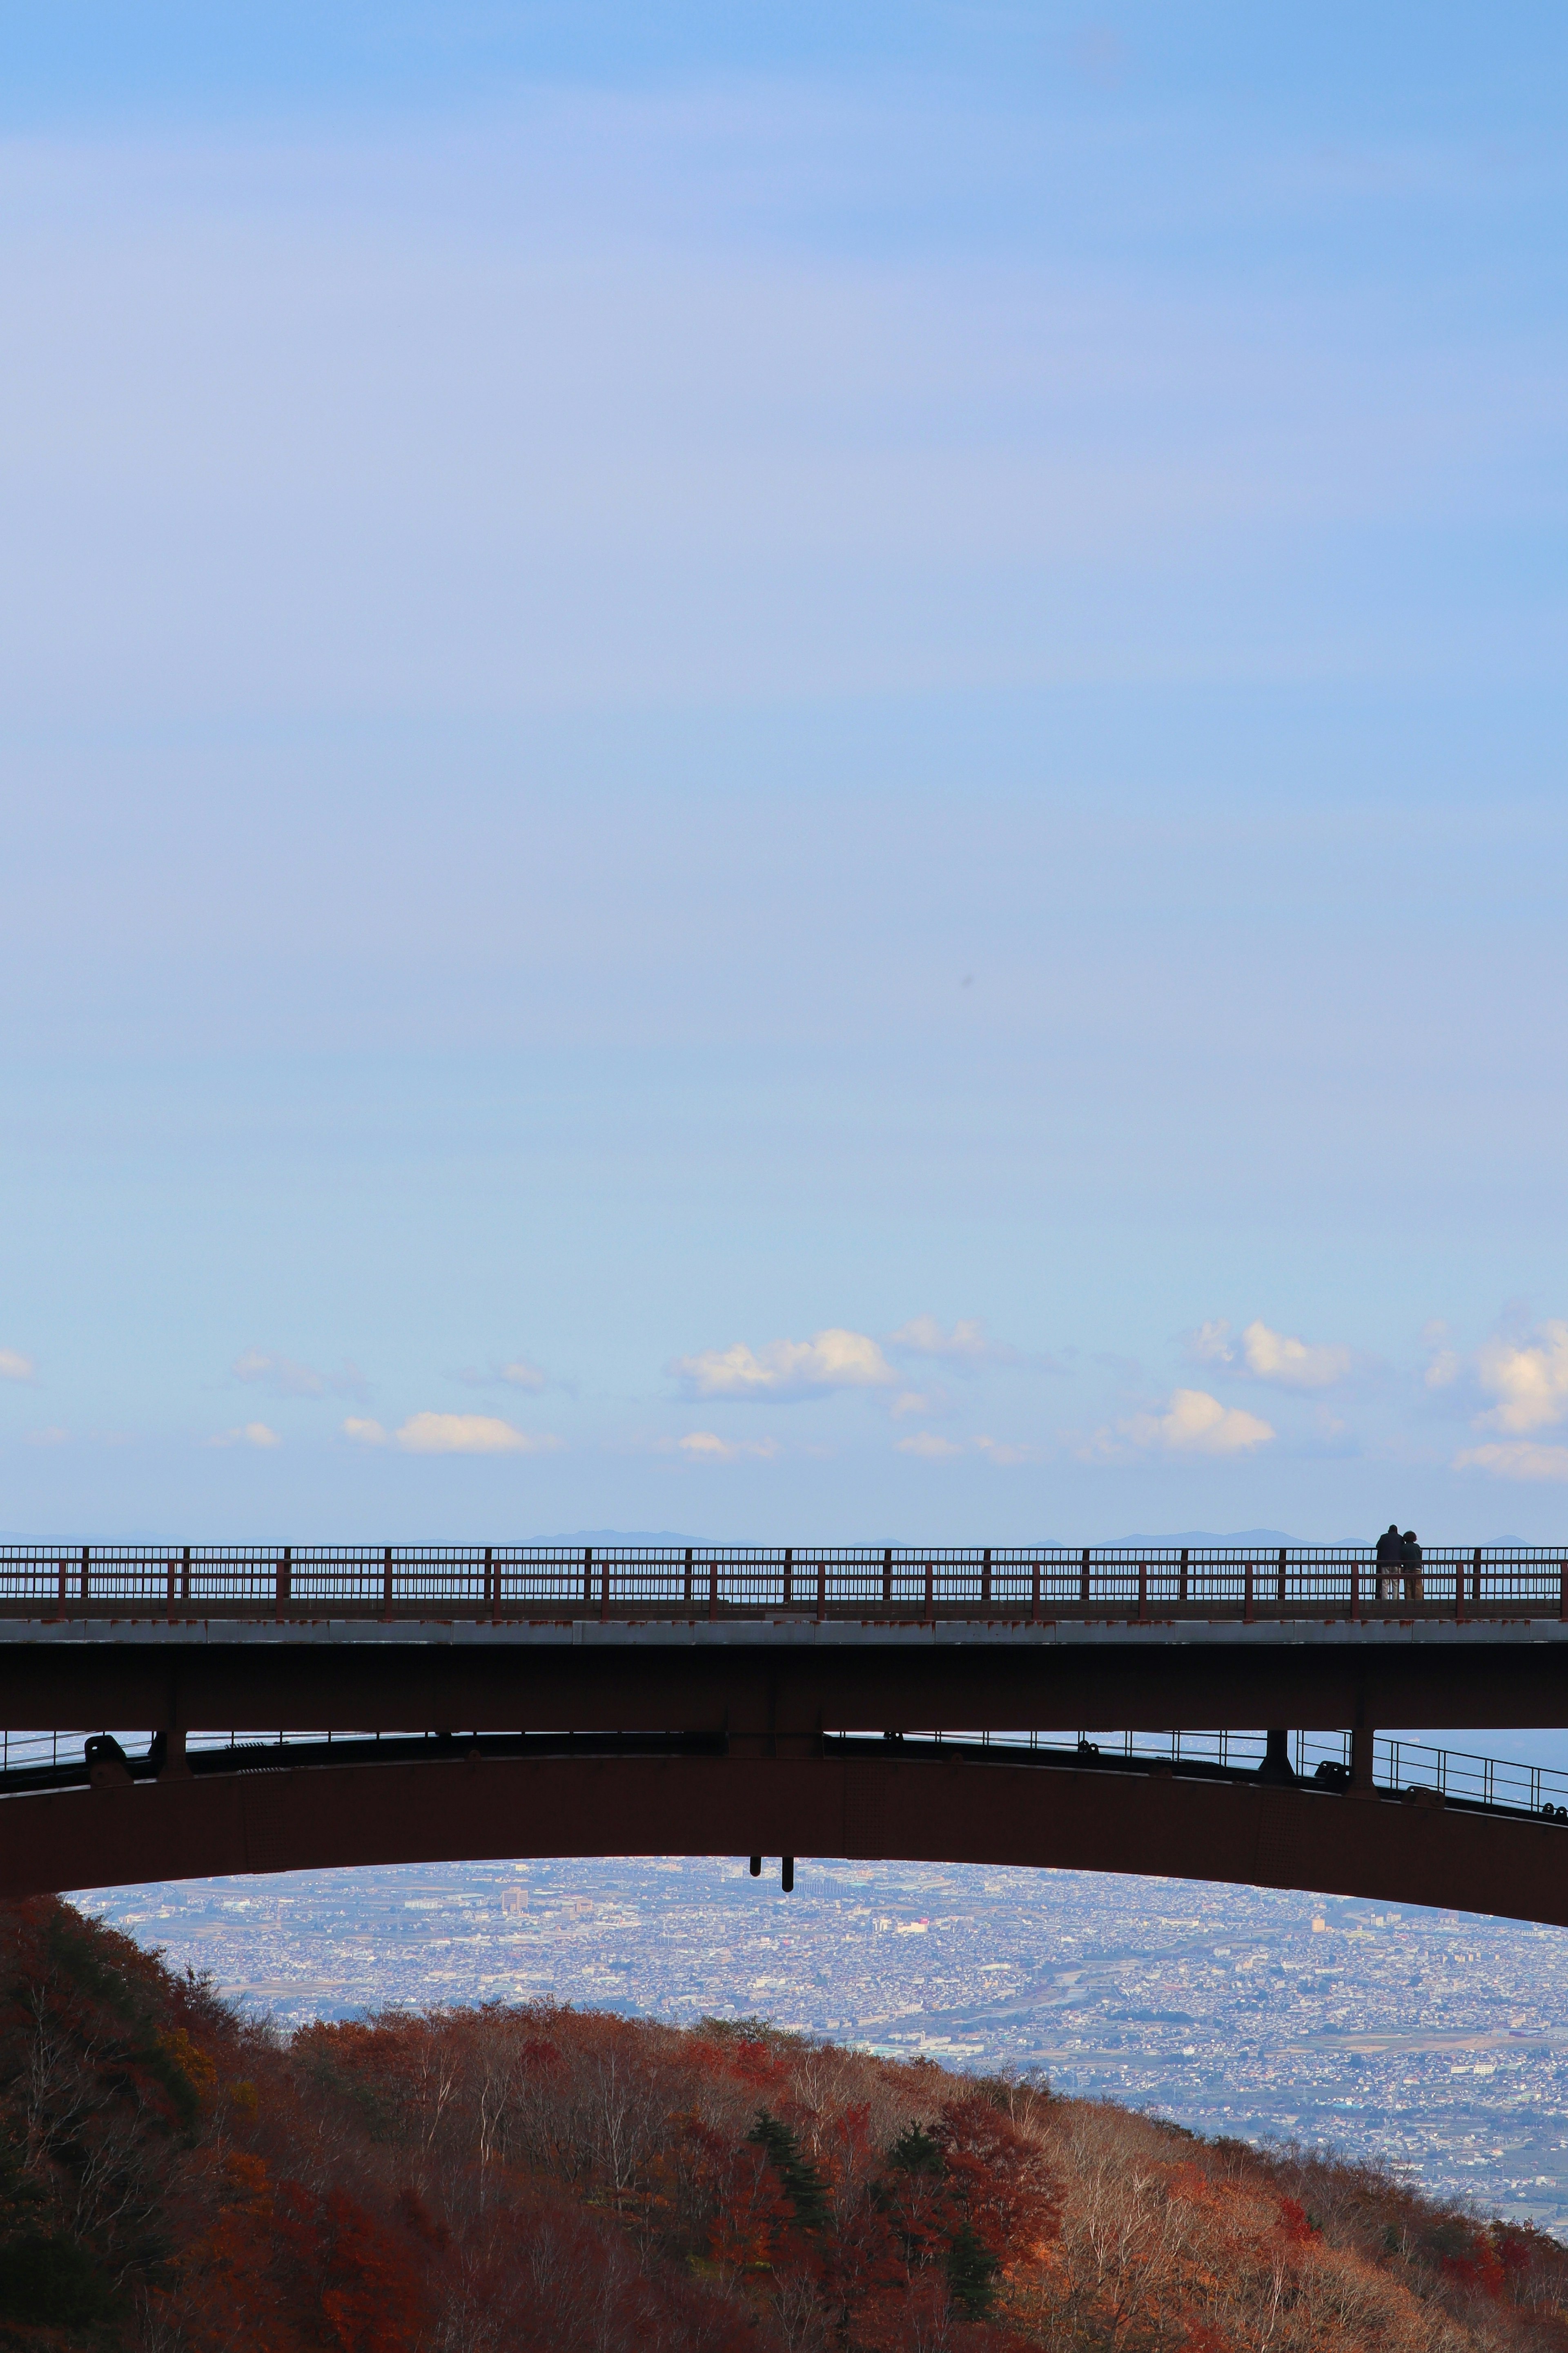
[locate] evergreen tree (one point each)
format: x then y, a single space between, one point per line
802 2185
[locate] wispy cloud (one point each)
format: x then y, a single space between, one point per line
471 1433
517 1375
1270 1355
15 1367
1517 1458
1005 1455
1193 1423
54 1436
251 1433
966 1342
834 1359
923 1402
927 1447
366 1433
707 1446
284 1378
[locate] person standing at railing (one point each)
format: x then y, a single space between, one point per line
1410 1561
1390 1561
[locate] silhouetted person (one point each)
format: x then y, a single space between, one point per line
1410 1561
1390 1562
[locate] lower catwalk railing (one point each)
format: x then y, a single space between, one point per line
1019 1583
32 1761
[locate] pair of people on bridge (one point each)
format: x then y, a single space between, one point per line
1399 1560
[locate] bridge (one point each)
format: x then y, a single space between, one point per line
297 1707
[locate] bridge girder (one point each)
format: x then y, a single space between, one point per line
787 1683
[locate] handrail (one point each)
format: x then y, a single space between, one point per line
1401 1768
1029 1583
1497 1784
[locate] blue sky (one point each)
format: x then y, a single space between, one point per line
784 774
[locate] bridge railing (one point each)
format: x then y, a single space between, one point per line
1401 1765
1397 1763
866 1583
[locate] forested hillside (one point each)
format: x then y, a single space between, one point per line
540 2180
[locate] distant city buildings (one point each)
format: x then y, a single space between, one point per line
1433 2041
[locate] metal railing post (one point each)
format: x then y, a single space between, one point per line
1459 1590
171 1607
1355 1589
1281 1576
821 1590
84 1562
931 1596
1143 1593
604 1588
1083 1577
687 1595
185 1576
1182 1579
492 1578
888 1580
985 1580
1247 1603
587 1575
712 1590
1476 1591
1034 1596
386 1583
60 1611
789 1577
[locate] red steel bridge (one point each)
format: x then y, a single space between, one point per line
300 1706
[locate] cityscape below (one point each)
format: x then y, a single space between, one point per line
1431 2043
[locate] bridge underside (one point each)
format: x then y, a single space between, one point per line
857 1804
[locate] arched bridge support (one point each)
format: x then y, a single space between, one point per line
869 1806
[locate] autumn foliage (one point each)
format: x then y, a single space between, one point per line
550 2181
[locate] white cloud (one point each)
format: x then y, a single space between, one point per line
469 1433
1297 1363
1519 1458
253 1434
1196 1423
833 1360
928 1447
366 1433
1270 1356
707 1446
923 1336
1530 1380
1210 1344
521 1375
15 1367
